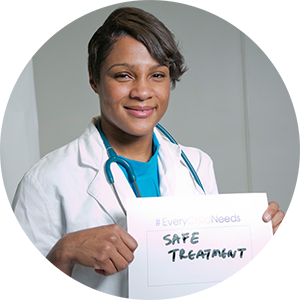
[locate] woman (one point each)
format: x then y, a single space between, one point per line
78 224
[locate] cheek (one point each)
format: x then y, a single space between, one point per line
165 95
110 95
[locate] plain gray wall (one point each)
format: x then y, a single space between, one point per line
239 101
231 103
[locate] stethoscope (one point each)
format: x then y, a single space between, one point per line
114 158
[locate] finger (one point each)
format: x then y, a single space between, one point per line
125 237
121 243
277 219
270 212
101 272
106 268
129 241
115 263
127 250
114 257
126 253
120 262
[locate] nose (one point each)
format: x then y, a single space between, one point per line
141 90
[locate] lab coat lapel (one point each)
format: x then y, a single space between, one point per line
122 185
92 153
167 175
103 193
168 158
175 177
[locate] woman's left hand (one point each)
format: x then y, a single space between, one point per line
273 213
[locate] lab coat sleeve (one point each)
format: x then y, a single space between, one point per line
36 215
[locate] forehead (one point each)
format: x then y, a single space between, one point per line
129 50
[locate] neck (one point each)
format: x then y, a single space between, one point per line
133 147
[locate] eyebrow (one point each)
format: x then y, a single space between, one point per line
131 66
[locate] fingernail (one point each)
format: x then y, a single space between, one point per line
267 217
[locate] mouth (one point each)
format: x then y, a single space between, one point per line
140 112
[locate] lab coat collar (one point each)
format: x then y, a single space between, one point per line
91 147
92 152
169 156
173 181
165 145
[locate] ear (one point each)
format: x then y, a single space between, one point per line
92 82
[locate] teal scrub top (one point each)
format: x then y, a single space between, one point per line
147 176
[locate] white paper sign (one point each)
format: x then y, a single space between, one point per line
187 245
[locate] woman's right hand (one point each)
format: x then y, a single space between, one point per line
107 249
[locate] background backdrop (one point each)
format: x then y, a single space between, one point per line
239 101
231 103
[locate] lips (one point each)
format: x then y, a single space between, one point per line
139 111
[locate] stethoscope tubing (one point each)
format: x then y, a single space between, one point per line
183 155
114 158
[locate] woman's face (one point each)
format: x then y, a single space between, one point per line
134 89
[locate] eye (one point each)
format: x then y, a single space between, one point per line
158 75
122 76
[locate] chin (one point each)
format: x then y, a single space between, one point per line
140 130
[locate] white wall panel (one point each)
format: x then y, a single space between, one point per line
273 133
19 137
206 108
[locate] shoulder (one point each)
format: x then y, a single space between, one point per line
69 159
56 159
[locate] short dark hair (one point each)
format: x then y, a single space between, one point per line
145 28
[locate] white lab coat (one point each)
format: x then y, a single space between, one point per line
67 191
